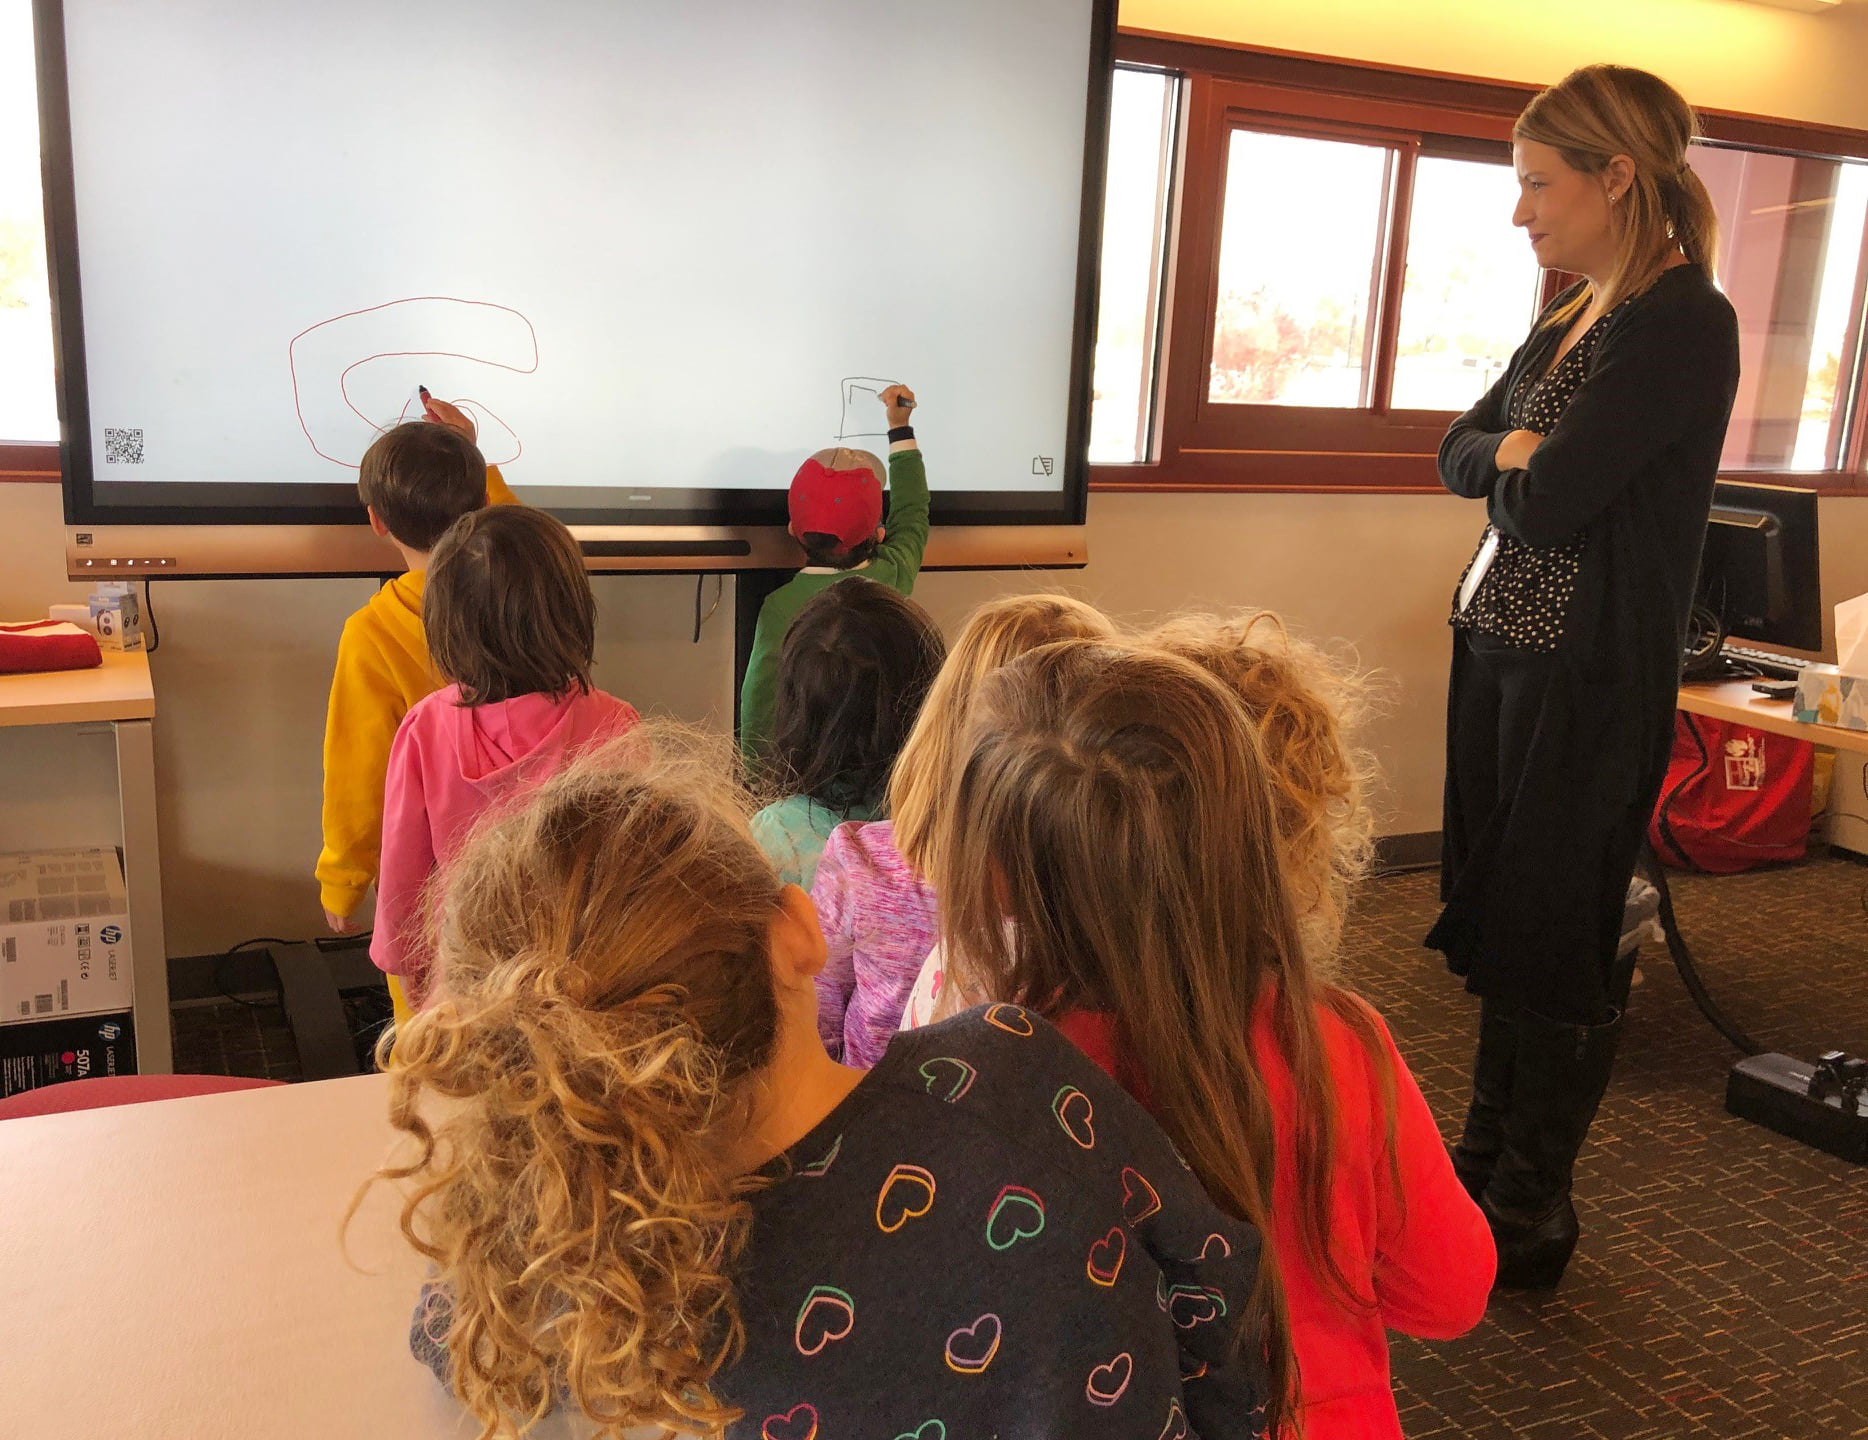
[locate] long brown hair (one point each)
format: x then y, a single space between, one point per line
1601 111
1113 804
593 1048
1308 707
999 631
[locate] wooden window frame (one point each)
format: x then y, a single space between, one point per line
1202 445
1388 452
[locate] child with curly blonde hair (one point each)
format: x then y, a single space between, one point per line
652 1197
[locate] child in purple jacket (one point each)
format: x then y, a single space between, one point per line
879 916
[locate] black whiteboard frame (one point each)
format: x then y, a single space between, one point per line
94 503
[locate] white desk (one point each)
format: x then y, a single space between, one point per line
119 693
172 1271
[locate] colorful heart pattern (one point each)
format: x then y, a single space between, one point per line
906 1195
1107 1382
1225 1246
971 1348
1191 1305
926 1430
827 1314
1075 1113
950 1073
1176 1427
817 1169
797 1423
1017 1214
1139 1198
1010 1019
1106 1256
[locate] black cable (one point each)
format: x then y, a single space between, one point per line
220 964
718 594
155 631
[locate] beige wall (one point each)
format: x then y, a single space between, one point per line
242 675
1727 54
244 665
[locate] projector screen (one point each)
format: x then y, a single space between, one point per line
661 252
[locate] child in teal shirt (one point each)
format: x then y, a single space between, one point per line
836 516
854 669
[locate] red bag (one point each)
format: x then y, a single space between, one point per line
1734 798
46 645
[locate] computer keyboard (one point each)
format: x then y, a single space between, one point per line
1767 663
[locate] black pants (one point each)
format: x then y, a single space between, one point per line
1543 822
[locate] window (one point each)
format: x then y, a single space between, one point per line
1341 277
1128 312
1293 319
28 405
1471 289
1791 261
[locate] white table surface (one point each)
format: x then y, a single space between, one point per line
172 1271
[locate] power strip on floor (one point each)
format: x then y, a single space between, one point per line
1813 1103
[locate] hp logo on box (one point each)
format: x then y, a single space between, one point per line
109 1032
111 934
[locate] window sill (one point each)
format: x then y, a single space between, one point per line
29 464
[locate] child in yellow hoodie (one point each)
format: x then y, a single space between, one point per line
416 480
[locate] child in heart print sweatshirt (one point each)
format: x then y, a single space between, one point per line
654 1198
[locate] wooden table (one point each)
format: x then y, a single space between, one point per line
172 1271
1735 700
120 694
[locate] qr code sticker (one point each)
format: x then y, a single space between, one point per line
122 447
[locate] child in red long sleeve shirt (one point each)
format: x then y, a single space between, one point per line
1114 854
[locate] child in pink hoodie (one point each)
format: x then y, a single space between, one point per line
511 627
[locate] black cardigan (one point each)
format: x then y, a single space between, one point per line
1534 893
1630 467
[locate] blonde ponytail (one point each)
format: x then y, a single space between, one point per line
578 1085
1601 111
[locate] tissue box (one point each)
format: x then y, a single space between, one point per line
116 616
1826 696
64 935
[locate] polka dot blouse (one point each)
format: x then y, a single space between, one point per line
1525 597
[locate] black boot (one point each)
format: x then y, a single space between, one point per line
1560 1074
1477 1151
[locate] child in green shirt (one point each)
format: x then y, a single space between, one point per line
836 516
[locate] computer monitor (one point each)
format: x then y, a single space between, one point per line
1759 573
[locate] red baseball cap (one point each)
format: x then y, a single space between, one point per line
846 502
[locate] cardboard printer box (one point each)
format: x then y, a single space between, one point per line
83 1048
64 935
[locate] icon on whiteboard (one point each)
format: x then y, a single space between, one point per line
1041 464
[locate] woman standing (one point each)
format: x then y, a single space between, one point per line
1596 454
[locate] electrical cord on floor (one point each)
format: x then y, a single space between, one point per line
221 960
719 593
155 631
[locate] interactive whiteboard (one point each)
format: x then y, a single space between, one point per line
661 251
